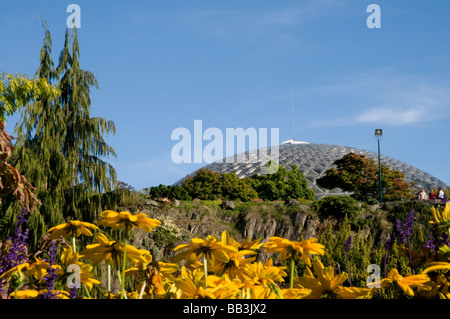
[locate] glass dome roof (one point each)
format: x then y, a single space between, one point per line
313 160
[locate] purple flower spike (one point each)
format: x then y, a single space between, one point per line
17 253
347 249
51 276
409 223
348 244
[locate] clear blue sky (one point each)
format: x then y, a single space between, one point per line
162 64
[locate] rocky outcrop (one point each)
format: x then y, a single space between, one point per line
292 221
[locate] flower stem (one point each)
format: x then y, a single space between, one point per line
348 270
205 267
409 255
109 281
87 291
291 274
124 262
74 246
142 289
119 276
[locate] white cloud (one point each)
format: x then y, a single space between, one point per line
382 97
392 116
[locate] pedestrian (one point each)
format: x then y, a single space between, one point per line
423 195
441 195
432 194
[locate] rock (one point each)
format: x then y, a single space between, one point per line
228 204
176 202
292 202
151 203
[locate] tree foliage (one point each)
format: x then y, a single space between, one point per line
16 91
170 191
208 185
282 185
13 185
359 175
60 147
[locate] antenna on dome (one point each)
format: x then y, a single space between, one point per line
293 119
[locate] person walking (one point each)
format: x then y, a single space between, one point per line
423 195
432 194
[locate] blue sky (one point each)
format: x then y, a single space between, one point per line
163 64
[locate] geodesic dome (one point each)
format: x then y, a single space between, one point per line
313 160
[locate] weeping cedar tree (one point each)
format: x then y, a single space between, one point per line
60 147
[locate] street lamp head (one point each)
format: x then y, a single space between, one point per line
378 132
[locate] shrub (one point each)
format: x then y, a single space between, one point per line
337 206
282 185
171 192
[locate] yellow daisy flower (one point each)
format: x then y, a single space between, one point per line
192 289
294 249
325 285
211 248
295 293
86 275
152 275
127 221
33 294
224 287
263 274
73 228
441 217
407 284
110 251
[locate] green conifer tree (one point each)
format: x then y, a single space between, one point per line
60 147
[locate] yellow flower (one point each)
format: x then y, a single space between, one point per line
437 266
437 287
130 295
417 257
248 244
405 283
325 285
25 294
69 258
237 258
441 217
110 251
294 249
192 289
33 294
354 292
39 269
154 273
73 228
223 287
126 220
234 266
295 293
210 248
22 268
264 274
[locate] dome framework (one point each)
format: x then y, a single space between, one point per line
313 160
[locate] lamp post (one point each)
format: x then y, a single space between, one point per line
378 134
